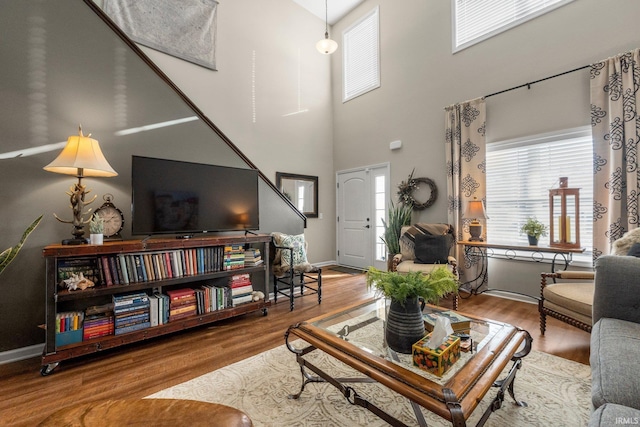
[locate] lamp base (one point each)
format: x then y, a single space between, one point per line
475 230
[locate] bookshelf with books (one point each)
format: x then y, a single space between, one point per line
145 289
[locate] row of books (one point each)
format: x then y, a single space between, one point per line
233 257
241 289
122 269
98 321
252 257
131 312
136 311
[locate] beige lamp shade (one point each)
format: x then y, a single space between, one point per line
475 210
81 157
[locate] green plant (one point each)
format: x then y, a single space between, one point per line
10 253
533 228
400 287
399 216
96 225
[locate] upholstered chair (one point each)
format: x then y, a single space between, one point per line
567 296
424 247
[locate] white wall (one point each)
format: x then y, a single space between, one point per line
289 75
420 76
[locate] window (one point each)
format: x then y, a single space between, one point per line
361 59
520 174
477 20
381 215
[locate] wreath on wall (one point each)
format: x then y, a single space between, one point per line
407 188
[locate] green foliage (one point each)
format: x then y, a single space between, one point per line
533 228
9 254
399 216
96 225
400 287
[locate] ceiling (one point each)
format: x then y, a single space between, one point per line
336 9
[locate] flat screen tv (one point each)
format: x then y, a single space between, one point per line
184 198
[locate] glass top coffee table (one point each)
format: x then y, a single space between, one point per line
355 336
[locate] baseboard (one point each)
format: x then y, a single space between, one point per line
21 353
512 296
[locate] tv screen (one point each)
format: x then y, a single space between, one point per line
176 197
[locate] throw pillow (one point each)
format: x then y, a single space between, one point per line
432 249
299 251
635 250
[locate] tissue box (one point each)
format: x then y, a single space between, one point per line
438 360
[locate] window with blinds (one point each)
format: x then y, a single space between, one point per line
520 173
477 20
361 58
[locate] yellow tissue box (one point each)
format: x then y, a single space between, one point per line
436 360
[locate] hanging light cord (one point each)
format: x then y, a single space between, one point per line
326 19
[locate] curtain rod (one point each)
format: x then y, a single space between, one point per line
528 85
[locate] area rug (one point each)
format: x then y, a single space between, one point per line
556 390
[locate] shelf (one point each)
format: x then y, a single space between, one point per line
62 256
113 341
66 295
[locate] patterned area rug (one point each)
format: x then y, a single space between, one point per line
556 390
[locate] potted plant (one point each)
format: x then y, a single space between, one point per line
405 325
533 229
399 216
96 230
10 253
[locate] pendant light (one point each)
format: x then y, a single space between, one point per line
326 45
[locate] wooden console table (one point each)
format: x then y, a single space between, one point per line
482 251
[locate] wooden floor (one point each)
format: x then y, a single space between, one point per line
144 368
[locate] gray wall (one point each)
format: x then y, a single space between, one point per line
420 76
55 76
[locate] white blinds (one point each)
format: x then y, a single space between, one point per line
477 20
520 174
361 63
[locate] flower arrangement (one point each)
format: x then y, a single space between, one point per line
533 228
96 225
400 287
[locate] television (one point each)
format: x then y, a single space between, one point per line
184 198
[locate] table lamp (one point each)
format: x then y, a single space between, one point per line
475 210
81 157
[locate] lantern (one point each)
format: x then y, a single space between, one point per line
564 215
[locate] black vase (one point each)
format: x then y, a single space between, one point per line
533 241
404 325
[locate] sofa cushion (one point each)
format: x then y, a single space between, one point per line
297 243
410 266
409 233
570 297
432 249
615 362
611 414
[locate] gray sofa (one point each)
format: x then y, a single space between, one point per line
615 342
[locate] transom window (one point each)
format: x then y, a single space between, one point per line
477 20
361 59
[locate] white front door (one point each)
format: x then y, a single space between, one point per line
357 209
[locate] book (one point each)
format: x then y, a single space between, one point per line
459 323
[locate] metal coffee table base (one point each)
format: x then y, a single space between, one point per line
451 400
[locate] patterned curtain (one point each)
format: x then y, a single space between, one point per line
466 179
616 129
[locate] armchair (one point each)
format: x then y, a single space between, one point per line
291 269
424 246
567 296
